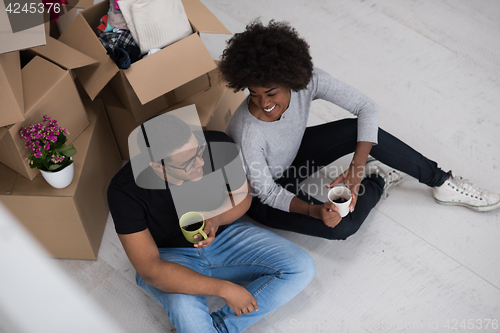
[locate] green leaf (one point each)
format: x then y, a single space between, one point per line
67 150
61 139
54 167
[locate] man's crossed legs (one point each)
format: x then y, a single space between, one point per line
275 268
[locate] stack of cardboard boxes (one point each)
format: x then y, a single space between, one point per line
73 80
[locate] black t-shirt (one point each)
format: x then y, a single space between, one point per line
157 205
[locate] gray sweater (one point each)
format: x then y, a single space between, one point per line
269 148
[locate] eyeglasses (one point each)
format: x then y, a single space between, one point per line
190 163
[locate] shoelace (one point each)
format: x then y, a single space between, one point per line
467 188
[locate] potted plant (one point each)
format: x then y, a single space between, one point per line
48 151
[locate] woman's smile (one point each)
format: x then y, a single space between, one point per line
268 103
270 109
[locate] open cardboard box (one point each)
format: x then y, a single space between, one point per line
48 90
214 106
11 89
69 222
146 82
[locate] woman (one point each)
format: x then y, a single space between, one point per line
274 63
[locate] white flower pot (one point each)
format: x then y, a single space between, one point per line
61 178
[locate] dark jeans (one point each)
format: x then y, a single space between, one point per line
320 146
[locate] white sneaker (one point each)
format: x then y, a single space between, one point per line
390 175
457 191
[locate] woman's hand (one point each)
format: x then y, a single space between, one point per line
352 179
211 226
326 212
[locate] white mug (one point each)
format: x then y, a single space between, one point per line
341 197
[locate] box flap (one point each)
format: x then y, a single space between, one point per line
202 19
65 19
10 41
96 76
11 89
63 55
169 68
38 76
7 179
205 101
3 130
81 3
225 108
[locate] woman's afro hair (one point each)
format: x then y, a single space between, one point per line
263 56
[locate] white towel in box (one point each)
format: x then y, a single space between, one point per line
155 24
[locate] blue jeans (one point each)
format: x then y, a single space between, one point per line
320 146
275 268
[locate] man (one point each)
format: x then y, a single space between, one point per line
175 171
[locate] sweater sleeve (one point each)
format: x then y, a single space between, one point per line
350 99
259 175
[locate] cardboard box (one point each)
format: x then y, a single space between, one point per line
224 110
122 122
10 41
69 222
140 112
214 106
48 90
61 54
81 3
11 89
3 131
68 14
150 78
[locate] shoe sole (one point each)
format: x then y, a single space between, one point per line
475 208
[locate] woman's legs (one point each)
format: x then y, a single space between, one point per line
323 144
373 187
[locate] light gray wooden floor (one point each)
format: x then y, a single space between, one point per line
414 266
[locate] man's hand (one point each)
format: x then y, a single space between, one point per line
326 212
239 299
211 226
352 179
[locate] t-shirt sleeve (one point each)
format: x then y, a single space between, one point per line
328 88
128 214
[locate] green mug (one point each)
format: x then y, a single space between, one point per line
192 223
